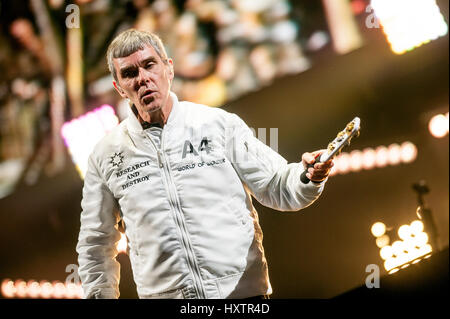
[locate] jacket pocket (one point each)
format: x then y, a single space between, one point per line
239 213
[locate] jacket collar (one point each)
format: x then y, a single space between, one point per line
134 125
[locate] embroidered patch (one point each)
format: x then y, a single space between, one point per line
117 159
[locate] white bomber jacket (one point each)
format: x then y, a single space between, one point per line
191 226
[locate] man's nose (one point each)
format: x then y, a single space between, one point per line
143 76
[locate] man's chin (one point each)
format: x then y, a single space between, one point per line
150 108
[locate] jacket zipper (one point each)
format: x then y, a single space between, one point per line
192 263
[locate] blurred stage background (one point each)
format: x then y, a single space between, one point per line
305 68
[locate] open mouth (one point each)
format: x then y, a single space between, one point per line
148 96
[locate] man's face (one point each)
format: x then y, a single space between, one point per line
144 79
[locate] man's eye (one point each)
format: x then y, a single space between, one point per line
129 74
149 65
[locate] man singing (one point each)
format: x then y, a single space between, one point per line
181 176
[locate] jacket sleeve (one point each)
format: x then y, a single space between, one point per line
98 268
271 180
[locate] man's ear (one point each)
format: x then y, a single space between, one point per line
119 90
172 73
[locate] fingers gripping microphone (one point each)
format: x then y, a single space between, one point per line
335 147
303 177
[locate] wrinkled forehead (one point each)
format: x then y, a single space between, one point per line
137 57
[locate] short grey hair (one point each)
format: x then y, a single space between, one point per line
130 41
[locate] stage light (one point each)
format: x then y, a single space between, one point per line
394 154
378 229
388 263
398 248
46 289
42 289
381 156
408 152
356 160
426 250
386 252
369 158
73 291
421 239
382 241
402 258
438 125
82 134
33 288
343 163
21 288
410 246
8 289
408 24
416 227
410 249
59 290
404 232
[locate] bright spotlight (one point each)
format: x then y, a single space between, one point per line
426 249
378 229
409 23
381 156
82 134
21 288
398 248
42 289
59 290
408 152
389 263
409 249
386 252
438 125
369 158
421 239
394 154
356 160
382 241
343 164
8 289
416 227
404 232
34 289
46 289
